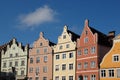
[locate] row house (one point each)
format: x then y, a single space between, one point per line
40 63
64 58
91 47
14 58
110 65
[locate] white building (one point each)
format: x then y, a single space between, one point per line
14 57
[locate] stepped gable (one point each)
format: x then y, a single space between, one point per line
102 38
74 35
4 47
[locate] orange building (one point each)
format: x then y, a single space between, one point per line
91 47
110 65
40 60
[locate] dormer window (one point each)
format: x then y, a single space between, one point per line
64 36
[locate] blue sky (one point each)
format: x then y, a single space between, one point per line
25 19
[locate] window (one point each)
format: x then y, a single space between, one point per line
30 70
45 50
37 70
45 69
70 55
57 78
70 77
92 64
37 51
57 57
85 51
63 77
60 47
22 72
103 73
79 66
116 58
85 65
30 78
22 63
79 53
63 66
67 46
57 68
118 73
93 77
11 55
4 65
86 32
37 59
10 64
41 44
64 36
16 54
111 73
63 56
45 58
44 78
36 78
92 50
13 48
70 66
85 77
16 63
85 40
31 60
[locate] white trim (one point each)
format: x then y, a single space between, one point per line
87 58
87 71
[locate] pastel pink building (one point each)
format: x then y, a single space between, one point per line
40 60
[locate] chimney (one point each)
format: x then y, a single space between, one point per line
111 35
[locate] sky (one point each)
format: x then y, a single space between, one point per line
25 19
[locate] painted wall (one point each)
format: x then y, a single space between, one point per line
22 55
41 44
108 60
57 51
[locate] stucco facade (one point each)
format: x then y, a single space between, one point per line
110 65
65 56
14 59
90 48
40 63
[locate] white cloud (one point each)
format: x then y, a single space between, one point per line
39 16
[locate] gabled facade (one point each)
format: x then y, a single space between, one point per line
14 60
40 63
65 56
110 65
91 47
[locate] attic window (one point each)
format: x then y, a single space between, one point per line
13 48
116 58
64 36
85 40
41 44
86 32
